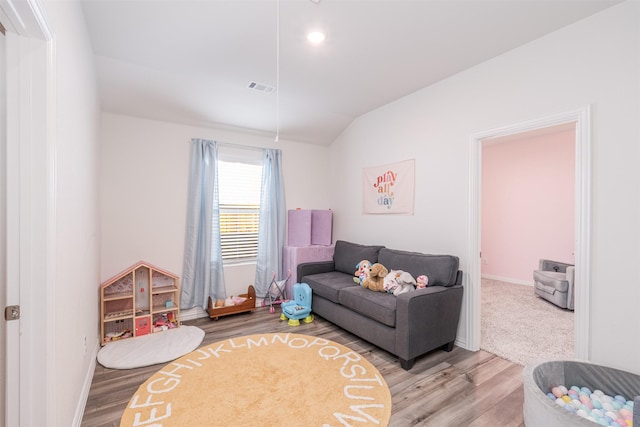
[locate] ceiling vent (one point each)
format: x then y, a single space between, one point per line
260 87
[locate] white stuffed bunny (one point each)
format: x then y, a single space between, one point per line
398 282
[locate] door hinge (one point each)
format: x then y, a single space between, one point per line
12 312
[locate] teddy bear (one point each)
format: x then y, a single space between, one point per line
362 271
422 281
398 282
375 280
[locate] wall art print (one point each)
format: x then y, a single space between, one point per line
389 189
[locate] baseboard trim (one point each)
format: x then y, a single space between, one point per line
462 343
84 393
507 279
192 314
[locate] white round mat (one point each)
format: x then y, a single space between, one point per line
151 349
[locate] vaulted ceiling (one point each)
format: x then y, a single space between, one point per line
191 61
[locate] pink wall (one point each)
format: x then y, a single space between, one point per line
527 204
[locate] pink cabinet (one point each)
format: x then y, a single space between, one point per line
293 256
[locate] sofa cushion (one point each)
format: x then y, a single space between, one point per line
379 306
347 255
328 285
441 269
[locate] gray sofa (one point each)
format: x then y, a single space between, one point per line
408 325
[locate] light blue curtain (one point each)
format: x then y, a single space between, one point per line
202 275
272 221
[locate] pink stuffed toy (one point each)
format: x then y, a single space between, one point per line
422 281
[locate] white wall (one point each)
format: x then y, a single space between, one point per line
145 166
595 61
77 228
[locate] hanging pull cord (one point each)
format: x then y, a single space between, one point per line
277 70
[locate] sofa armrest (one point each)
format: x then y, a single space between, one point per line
459 278
571 279
427 319
309 268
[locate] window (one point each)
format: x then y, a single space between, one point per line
239 183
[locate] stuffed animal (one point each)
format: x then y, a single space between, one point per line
398 282
375 279
422 281
362 271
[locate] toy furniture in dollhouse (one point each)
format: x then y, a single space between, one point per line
299 307
140 300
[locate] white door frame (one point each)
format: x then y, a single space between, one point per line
3 225
582 119
30 195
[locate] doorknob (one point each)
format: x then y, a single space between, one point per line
12 312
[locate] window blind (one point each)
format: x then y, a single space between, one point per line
240 187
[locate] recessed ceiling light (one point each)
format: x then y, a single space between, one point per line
316 37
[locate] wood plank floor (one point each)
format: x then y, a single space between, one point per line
460 388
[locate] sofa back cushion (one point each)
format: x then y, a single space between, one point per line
441 269
328 285
347 255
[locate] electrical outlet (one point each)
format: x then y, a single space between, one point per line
85 344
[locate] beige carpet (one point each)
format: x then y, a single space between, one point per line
266 380
520 327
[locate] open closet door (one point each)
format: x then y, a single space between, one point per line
10 230
27 212
3 224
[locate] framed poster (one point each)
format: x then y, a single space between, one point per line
389 189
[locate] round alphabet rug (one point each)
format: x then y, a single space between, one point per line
267 380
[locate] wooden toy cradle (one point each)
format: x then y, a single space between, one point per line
248 305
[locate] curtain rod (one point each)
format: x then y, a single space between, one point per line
230 144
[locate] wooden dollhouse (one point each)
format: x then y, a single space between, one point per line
140 300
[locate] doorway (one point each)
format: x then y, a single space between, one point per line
581 120
527 213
